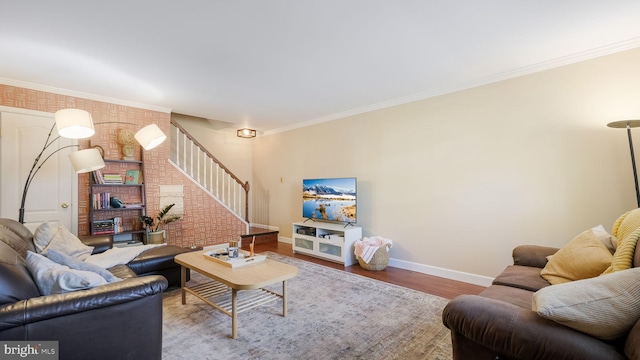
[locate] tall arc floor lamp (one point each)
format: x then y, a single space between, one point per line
628 124
78 124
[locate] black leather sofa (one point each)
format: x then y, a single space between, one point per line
120 320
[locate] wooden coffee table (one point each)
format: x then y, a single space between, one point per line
222 291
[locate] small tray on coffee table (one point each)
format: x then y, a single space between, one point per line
221 256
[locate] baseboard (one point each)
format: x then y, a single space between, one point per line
262 226
429 270
285 240
442 272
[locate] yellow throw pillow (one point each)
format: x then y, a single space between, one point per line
626 224
583 257
623 257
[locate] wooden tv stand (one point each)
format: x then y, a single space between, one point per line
330 241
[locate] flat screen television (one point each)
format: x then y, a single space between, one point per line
331 199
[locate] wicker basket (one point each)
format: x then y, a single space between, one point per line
379 260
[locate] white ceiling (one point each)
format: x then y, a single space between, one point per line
278 64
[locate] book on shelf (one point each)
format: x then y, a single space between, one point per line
101 200
102 227
113 179
133 177
118 225
97 177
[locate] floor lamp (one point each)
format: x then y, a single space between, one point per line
628 124
78 124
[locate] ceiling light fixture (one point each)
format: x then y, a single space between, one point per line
246 133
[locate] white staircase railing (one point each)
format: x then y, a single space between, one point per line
209 172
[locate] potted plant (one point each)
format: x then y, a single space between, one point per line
155 233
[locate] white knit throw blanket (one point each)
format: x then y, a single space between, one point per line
117 256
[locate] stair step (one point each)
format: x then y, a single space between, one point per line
262 235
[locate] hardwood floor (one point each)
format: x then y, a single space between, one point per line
414 280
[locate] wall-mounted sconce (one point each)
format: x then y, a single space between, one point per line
246 133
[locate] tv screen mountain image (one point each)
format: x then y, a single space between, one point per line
332 199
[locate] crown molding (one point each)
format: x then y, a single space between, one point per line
78 94
522 71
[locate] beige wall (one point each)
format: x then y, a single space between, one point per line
458 180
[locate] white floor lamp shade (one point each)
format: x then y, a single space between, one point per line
86 160
150 136
74 123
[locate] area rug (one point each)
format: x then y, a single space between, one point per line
332 314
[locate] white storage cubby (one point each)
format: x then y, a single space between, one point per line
329 241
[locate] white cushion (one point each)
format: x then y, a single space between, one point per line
75 264
605 307
67 243
607 239
53 278
43 235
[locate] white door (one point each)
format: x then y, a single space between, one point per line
52 194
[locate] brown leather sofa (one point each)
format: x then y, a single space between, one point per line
499 323
120 320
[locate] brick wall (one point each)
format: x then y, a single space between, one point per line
205 221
